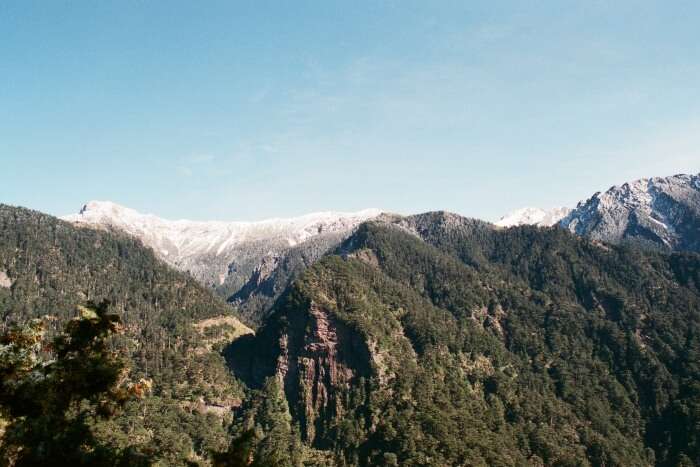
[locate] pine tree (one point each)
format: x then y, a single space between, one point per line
274 450
49 390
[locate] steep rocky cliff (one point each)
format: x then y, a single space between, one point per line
318 353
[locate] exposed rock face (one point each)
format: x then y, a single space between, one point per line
316 357
324 370
660 212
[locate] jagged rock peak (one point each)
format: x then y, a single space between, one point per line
663 211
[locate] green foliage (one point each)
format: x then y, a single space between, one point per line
436 341
50 391
264 436
494 347
55 266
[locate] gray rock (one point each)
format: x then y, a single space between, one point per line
661 212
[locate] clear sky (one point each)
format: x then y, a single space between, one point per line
248 110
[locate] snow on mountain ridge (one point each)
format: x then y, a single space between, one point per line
533 216
242 261
179 239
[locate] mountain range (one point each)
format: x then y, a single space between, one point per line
439 340
571 338
237 259
250 263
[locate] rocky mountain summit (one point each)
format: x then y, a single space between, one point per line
659 212
662 212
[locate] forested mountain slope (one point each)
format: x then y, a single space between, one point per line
438 340
48 266
421 340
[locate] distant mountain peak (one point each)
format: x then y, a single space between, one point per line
94 210
211 250
662 211
533 216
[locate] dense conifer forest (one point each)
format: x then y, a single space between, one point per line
464 345
54 267
423 340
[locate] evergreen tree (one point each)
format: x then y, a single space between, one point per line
49 391
274 449
268 438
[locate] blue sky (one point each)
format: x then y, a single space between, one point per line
249 110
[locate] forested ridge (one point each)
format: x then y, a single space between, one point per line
422 340
52 266
522 346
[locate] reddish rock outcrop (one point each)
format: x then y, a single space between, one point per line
320 368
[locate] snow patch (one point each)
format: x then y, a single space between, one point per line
5 280
533 216
658 222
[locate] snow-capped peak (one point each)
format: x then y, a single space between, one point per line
533 216
658 210
95 212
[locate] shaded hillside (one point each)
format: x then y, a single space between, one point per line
437 340
48 266
268 277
